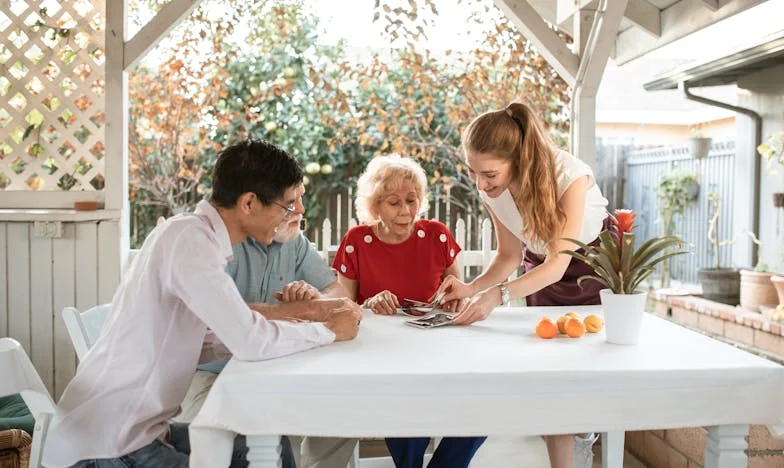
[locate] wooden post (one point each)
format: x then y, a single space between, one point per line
460 237
326 236
487 243
726 446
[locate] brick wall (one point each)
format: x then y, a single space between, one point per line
755 332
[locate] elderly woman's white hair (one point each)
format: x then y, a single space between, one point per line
383 175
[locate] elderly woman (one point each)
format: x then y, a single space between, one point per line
394 255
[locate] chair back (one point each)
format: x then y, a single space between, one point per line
84 328
19 376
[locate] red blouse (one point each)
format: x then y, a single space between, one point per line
411 270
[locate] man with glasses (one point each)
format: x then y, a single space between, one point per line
116 410
283 280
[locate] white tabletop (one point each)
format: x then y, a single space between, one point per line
496 378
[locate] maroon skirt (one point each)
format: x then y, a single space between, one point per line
567 292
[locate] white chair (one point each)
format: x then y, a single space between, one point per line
84 328
19 376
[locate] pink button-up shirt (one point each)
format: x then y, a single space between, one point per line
135 377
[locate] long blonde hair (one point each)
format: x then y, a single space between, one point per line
515 134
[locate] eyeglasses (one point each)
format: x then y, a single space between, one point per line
290 211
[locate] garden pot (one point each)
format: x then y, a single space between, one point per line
778 199
757 290
778 283
699 147
623 316
720 285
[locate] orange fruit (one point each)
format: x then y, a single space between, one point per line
593 323
574 328
562 321
546 329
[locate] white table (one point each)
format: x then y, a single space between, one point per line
493 378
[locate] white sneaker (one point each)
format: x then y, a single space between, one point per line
583 450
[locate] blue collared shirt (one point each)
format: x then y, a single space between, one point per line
260 270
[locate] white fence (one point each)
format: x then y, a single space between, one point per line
715 174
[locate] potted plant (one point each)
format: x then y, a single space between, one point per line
699 145
773 151
778 283
621 269
677 190
718 283
756 288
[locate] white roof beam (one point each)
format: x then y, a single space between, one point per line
549 44
678 20
566 9
712 4
600 43
645 15
148 37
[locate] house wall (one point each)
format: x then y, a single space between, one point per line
648 135
764 93
49 261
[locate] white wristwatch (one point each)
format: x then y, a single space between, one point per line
504 294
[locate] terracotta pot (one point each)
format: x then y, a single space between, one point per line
778 283
720 285
778 199
757 290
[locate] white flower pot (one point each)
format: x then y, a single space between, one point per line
623 316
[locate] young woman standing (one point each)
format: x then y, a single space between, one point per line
536 196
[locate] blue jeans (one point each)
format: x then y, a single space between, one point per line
160 455
452 452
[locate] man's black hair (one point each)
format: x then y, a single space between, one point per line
255 166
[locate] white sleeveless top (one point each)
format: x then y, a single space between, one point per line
568 168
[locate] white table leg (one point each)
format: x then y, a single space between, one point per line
210 448
264 451
726 446
612 449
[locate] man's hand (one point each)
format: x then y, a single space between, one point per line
344 322
297 291
322 309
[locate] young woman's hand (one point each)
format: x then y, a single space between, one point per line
383 303
479 307
455 289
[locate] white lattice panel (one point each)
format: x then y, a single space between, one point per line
52 94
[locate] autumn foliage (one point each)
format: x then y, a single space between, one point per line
333 110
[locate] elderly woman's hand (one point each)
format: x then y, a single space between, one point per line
384 303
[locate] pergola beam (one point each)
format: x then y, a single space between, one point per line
645 15
593 61
148 37
600 44
549 44
712 4
678 20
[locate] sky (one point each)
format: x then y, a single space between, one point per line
352 21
